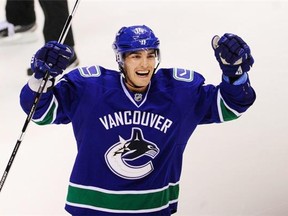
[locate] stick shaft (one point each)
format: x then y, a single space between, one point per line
68 23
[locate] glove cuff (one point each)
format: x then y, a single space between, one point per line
34 84
236 80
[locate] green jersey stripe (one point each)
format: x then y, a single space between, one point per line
225 112
123 201
50 115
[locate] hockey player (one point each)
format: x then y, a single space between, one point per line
132 127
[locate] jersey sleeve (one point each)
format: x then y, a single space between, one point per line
201 103
55 105
27 97
228 101
233 100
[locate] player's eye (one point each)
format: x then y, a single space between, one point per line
152 55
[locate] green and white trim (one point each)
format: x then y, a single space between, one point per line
128 201
226 113
49 116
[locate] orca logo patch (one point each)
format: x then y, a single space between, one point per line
126 158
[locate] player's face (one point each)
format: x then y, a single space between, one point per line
139 68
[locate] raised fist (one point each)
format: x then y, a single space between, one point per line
53 57
233 54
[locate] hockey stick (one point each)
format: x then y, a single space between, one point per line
37 98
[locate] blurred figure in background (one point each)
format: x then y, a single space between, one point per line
20 24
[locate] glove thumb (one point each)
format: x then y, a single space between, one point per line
215 41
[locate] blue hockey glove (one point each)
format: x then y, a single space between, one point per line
53 57
233 55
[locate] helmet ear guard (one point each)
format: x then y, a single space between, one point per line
158 59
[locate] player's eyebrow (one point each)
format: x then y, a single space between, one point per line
150 51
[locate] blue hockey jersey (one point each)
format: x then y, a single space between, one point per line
130 145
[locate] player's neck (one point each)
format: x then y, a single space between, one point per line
134 88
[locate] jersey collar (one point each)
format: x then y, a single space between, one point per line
129 94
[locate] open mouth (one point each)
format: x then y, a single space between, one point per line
142 73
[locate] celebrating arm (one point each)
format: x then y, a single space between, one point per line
235 60
54 58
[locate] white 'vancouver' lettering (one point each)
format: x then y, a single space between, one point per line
136 118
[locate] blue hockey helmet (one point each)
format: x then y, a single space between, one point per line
134 38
